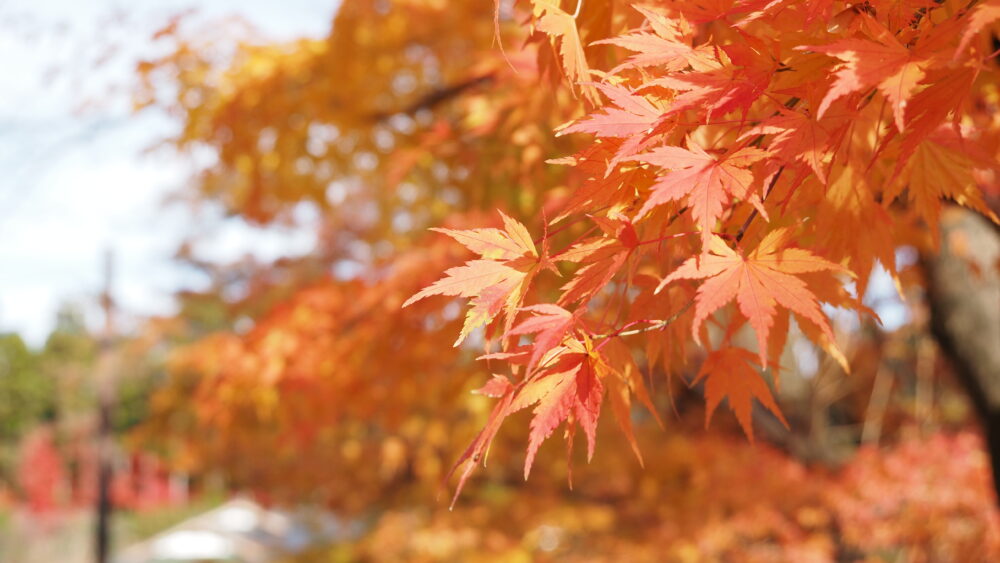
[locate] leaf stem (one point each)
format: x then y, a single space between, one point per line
656 324
754 213
668 237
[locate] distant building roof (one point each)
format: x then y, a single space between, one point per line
239 531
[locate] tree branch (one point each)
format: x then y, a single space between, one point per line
436 97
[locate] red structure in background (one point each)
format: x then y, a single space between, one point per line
41 473
144 484
52 478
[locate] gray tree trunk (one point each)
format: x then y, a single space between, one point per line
964 298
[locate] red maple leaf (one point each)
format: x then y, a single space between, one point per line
575 395
733 82
549 324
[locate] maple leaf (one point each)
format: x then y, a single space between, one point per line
602 258
759 282
847 204
549 324
712 10
490 284
889 66
634 114
575 394
729 374
495 244
664 48
982 16
619 372
561 26
929 108
797 138
568 390
496 387
477 450
469 280
603 185
940 168
513 398
707 182
736 81
496 283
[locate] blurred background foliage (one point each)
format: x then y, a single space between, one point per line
302 381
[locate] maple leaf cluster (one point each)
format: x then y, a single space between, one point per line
669 174
752 160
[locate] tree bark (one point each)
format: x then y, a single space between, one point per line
964 297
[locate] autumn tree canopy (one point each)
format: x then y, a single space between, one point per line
621 196
758 154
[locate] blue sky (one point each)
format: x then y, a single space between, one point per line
76 182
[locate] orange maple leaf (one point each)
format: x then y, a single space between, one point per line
496 387
797 138
889 66
984 14
496 283
665 48
561 26
759 283
941 168
708 182
729 374
602 258
634 115
570 390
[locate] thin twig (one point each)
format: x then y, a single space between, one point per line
754 213
657 325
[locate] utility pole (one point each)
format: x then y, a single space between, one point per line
105 376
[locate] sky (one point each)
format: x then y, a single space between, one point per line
75 182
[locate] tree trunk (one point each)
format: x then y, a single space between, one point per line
964 298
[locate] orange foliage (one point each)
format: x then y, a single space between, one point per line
920 501
762 152
766 130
